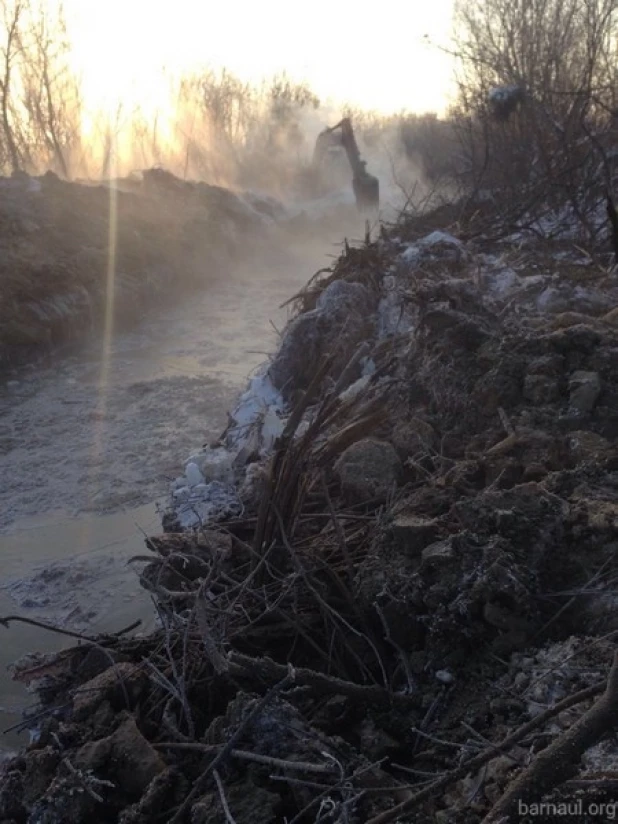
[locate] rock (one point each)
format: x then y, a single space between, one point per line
542 379
124 757
368 470
166 790
611 317
438 553
413 437
412 533
40 768
584 391
438 246
603 515
541 389
11 793
119 684
135 761
376 742
343 317
588 446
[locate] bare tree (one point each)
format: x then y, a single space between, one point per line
561 59
51 94
12 12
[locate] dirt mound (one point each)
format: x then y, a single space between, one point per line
70 252
407 613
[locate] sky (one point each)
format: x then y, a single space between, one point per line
374 58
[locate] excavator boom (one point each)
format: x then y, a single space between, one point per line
366 187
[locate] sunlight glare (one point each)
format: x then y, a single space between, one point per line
374 59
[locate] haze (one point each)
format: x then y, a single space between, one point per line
375 59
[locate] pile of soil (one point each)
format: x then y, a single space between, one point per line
411 617
65 247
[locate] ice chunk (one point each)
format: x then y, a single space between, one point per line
193 474
259 396
212 502
214 464
435 244
272 428
368 366
439 238
354 390
181 493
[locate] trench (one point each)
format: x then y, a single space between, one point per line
90 442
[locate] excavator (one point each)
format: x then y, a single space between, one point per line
366 187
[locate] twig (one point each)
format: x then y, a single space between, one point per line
290 677
338 530
559 761
571 600
345 783
324 604
507 425
482 758
87 780
400 651
50 627
228 815
269 670
245 755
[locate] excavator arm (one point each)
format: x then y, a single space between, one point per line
366 187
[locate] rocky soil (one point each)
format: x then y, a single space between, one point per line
386 591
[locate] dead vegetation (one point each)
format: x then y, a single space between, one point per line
413 616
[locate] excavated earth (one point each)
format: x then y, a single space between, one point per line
160 236
419 563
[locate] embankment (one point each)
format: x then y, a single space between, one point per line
379 588
73 254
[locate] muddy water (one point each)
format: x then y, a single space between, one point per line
89 444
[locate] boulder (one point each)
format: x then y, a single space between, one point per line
125 757
413 437
368 470
120 684
584 391
412 533
342 319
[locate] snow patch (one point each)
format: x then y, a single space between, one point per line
254 403
355 389
435 244
209 489
206 503
212 464
272 428
193 474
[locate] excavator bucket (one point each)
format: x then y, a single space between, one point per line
367 192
